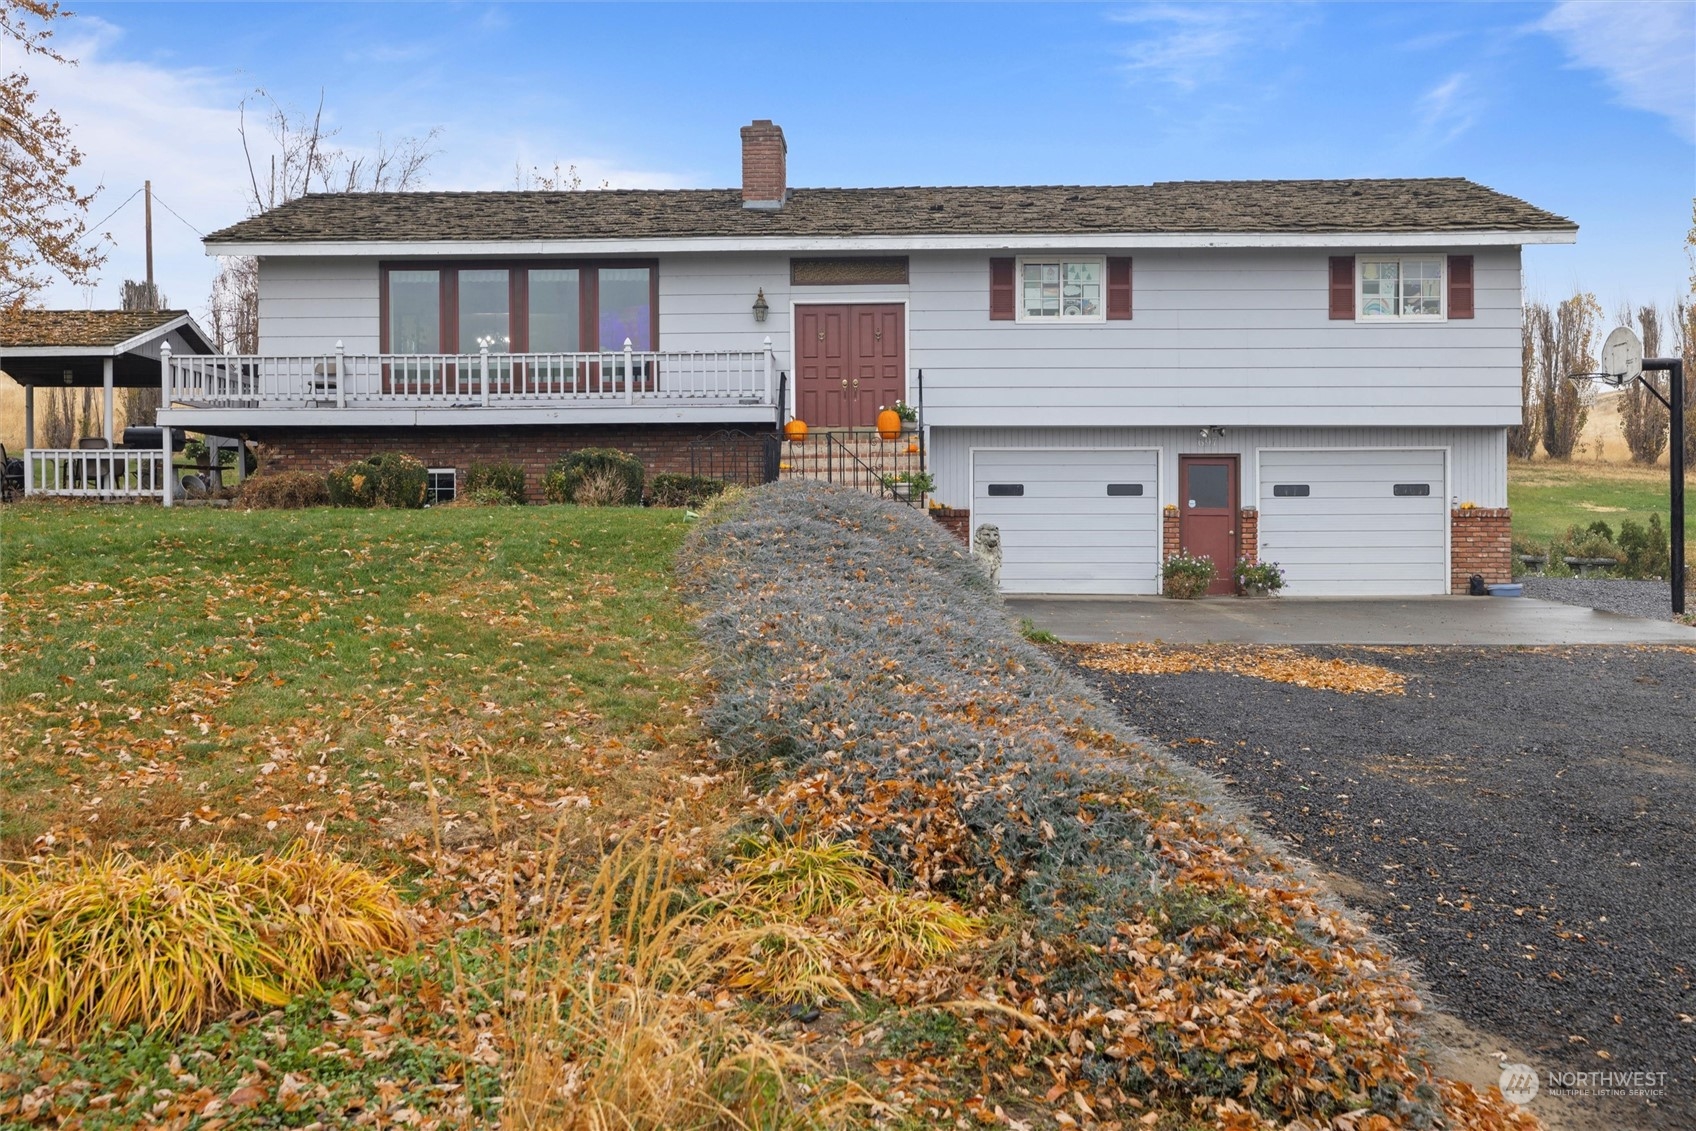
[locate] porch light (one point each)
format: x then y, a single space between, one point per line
761 307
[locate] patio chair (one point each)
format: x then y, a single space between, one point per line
11 476
80 469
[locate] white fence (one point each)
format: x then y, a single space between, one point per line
347 380
99 473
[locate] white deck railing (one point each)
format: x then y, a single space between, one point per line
348 380
97 473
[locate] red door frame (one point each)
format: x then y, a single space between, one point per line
1201 523
852 413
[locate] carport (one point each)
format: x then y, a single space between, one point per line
108 350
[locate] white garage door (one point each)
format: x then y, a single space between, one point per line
1072 520
1369 522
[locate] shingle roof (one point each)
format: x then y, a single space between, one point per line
86 328
1446 204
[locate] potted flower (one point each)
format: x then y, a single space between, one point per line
1186 576
908 414
1257 579
909 484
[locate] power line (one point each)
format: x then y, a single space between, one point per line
119 209
174 212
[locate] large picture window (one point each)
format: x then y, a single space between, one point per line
519 307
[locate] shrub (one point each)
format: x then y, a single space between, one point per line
1187 575
692 491
285 490
1257 575
169 944
866 672
505 478
620 477
1645 552
484 497
387 479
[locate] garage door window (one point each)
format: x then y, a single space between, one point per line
1006 490
1411 490
1119 490
1291 490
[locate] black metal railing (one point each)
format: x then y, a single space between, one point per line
743 458
862 460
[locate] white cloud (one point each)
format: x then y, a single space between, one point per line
1447 110
1188 45
134 121
1182 46
1646 50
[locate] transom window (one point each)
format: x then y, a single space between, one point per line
516 307
1062 290
1401 288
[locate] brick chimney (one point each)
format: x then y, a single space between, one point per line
765 159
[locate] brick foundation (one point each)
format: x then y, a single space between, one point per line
956 520
660 447
1480 541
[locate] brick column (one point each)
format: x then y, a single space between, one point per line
1480 541
1169 533
1248 534
956 520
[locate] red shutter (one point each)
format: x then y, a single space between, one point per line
1460 286
1001 298
1342 286
1118 288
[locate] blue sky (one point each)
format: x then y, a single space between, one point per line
1551 102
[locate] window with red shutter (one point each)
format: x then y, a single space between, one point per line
1342 286
1002 303
1118 288
1460 286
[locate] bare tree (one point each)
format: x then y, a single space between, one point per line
1523 437
43 216
1643 418
297 157
141 405
561 178
1566 339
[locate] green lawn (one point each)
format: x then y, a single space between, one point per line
1549 497
212 677
185 676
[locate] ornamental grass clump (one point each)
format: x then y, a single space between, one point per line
1161 962
598 477
172 943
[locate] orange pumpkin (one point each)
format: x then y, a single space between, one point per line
795 430
889 424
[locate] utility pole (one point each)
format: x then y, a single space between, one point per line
152 295
1673 367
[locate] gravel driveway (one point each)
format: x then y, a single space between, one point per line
1651 599
1522 824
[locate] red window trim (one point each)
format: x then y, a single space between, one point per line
518 295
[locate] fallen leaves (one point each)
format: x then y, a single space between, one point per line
1277 665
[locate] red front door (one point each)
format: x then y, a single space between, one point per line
850 361
1207 514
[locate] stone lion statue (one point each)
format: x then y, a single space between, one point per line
986 548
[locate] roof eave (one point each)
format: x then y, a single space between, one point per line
894 242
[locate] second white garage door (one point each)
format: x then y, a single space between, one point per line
1072 520
1358 522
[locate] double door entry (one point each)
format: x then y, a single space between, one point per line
850 361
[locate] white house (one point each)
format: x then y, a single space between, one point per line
1317 372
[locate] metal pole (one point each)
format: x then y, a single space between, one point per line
152 294
1675 367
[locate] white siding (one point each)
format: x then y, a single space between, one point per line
1478 469
307 305
1232 337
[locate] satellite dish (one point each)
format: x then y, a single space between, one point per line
1622 357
